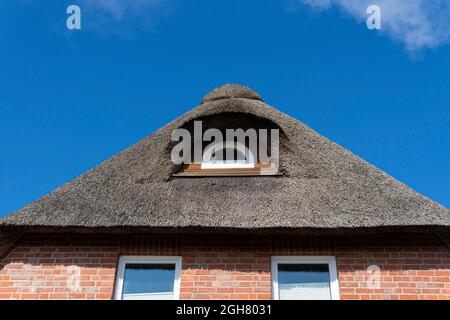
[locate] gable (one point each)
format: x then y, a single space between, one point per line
322 186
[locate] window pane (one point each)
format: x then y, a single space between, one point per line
304 282
224 153
148 281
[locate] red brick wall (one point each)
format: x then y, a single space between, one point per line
223 266
64 267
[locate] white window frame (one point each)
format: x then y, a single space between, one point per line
207 163
330 260
124 260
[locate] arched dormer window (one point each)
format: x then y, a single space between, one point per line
236 154
228 158
227 155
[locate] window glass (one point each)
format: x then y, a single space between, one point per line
227 155
148 281
304 282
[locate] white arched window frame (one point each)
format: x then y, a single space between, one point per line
210 163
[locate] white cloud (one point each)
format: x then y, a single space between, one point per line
416 23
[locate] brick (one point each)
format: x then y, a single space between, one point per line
220 296
218 268
409 297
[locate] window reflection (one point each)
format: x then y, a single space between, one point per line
304 282
148 281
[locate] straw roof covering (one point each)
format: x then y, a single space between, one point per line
323 186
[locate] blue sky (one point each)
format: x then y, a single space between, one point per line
71 99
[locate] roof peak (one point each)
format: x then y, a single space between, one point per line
228 91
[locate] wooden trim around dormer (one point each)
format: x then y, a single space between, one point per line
195 170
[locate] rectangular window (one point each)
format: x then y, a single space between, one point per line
305 278
148 278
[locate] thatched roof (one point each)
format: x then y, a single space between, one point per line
323 186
